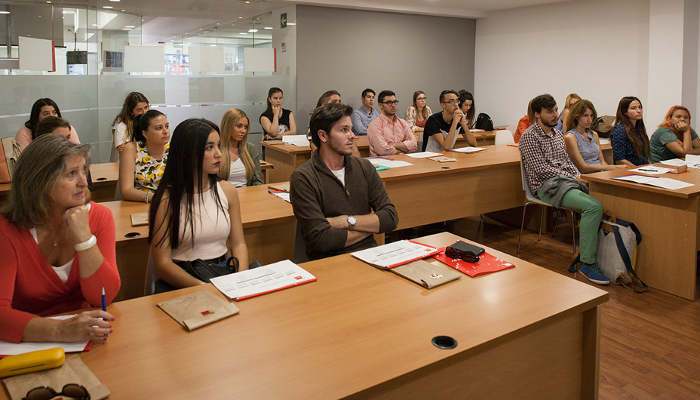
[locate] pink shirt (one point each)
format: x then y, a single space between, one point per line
384 132
24 137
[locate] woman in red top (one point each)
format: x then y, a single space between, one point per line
57 248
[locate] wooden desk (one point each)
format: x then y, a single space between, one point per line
668 220
362 333
268 224
266 167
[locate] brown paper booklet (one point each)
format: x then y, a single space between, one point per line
426 274
139 219
198 309
73 370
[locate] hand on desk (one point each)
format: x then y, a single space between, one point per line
89 325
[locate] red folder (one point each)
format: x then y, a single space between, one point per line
486 265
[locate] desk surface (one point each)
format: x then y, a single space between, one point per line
691 176
356 327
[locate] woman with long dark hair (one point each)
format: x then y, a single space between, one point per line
468 107
41 109
193 216
630 143
142 162
135 105
277 121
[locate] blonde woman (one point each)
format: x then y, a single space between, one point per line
570 101
240 162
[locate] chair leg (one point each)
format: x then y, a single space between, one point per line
573 231
542 212
522 225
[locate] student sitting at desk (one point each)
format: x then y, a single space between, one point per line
143 160
582 143
466 104
41 109
277 121
674 138
363 115
553 178
388 134
56 125
193 215
240 162
442 128
338 200
569 102
135 105
523 123
630 143
418 113
57 249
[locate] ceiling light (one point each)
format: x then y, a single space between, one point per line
129 26
269 28
107 7
252 30
122 10
243 33
240 17
4 12
115 1
292 23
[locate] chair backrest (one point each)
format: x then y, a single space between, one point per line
299 246
8 158
150 284
526 188
504 137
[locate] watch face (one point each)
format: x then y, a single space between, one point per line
352 220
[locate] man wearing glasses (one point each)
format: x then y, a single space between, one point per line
442 128
388 134
365 114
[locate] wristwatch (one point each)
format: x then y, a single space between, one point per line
352 221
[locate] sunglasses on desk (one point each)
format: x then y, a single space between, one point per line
70 391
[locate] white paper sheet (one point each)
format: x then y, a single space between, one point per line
604 141
261 280
296 140
651 170
11 349
665 183
692 160
394 254
675 162
468 149
423 154
384 162
283 195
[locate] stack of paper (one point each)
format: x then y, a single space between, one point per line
423 154
386 163
262 280
280 190
394 254
468 149
651 170
692 161
296 140
665 183
674 162
11 349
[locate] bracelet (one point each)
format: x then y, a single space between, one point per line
86 245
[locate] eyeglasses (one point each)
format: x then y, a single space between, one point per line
451 101
391 102
71 390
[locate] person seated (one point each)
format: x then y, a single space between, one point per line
582 143
240 162
194 216
418 113
142 162
388 134
135 105
466 104
630 143
277 121
58 249
523 124
570 101
339 200
56 125
362 116
553 178
674 138
442 128
41 109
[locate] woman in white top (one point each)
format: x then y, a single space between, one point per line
418 113
241 163
192 215
135 105
41 109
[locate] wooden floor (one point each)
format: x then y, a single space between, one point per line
650 342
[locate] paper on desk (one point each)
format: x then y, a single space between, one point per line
651 170
604 141
385 162
692 160
468 149
394 254
11 349
268 278
674 162
283 195
477 130
423 154
296 140
665 183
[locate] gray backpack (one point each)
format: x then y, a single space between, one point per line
617 252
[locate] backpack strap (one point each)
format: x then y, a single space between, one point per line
638 284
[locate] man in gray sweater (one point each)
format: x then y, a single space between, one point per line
339 200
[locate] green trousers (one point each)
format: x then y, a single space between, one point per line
591 213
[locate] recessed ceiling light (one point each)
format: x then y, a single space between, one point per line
269 28
122 10
240 17
115 1
107 7
4 12
243 33
292 23
252 30
129 26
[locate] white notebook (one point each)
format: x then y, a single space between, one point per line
665 183
468 149
262 280
394 254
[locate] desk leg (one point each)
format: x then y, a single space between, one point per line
591 354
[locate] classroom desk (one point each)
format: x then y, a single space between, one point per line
268 225
668 221
362 333
286 157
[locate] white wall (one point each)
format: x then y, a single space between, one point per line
598 49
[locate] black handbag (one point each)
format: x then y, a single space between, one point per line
205 270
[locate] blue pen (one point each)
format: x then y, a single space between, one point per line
104 300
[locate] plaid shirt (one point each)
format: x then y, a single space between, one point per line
544 156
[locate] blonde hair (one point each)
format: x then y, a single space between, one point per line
570 97
37 170
230 119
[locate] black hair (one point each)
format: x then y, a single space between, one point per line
383 94
542 101
368 91
142 123
466 95
48 125
36 110
270 92
324 117
182 180
445 93
324 97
